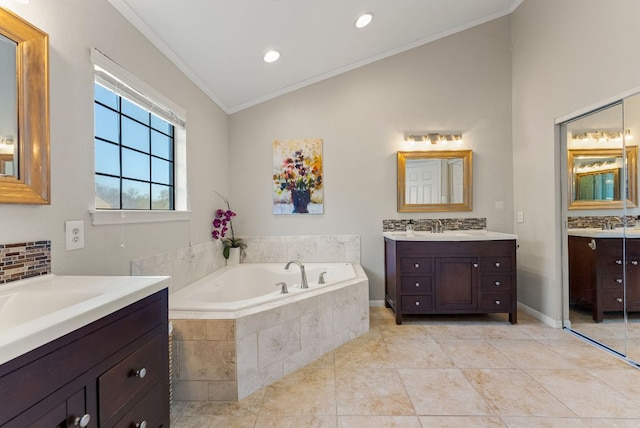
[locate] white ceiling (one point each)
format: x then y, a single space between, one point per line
219 44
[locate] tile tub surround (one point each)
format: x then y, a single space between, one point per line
24 260
426 224
229 359
187 265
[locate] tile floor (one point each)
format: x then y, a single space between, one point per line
445 372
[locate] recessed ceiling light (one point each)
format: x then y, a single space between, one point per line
364 20
271 56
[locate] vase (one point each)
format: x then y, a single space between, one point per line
234 256
300 199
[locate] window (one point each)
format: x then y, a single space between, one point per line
139 144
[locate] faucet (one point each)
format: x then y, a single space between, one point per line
610 225
321 278
303 283
283 290
437 228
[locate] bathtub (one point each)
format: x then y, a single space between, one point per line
234 288
234 333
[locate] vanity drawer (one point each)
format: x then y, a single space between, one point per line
495 284
495 264
416 284
495 302
124 381
416 304
417 265
612 300
147 410
612 282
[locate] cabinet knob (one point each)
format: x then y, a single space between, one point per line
142 424
497 302
634 262
417 284
619 299
497 283
619 280
141 373
81 421
417 303
417 265
497 264
475 265
618 262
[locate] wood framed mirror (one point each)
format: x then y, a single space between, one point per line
597 179
24 113
435 181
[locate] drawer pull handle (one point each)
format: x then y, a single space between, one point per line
619 280
82 421
417 303
475 265
497 264
417 265
141 373
619 299
497 302
417 284
618 262
142 424
497 283
634 262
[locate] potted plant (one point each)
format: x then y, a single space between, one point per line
223 223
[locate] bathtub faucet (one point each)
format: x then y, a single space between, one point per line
304 283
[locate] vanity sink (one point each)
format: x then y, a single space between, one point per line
450 235
38 310
600 233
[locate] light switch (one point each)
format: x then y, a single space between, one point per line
520 217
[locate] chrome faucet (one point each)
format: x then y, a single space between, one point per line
611 222
283 290
437 228
303 283
321 278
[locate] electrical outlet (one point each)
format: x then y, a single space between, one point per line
74 234
520 217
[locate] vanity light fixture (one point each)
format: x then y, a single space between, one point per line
603 136
271 56
364 20
432 137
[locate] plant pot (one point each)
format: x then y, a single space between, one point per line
300 199
234 256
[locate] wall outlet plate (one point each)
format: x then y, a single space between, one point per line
74 234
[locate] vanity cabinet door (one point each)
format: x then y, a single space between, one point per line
456 284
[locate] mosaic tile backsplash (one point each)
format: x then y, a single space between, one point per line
24 260
598 221
425 224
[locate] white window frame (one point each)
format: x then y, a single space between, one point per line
125 84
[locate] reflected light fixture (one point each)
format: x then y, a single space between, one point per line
603 136
271 56
432 137
364 20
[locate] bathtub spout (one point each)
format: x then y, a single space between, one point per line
283 290
303 283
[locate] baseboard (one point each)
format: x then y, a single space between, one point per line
540 316
376 303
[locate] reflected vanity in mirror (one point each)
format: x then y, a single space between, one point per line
597 179
24 112
435 181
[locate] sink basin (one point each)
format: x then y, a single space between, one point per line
450 235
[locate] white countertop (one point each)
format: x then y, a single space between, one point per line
450 235
38 310
599 233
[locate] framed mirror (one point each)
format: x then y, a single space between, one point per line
597 181
24 112
435 181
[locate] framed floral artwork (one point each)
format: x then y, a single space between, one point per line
297 177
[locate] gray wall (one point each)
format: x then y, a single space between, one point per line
74 26
461 82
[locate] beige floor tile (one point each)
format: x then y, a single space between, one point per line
296 422
474 354
442 392
542 331
417 353
215 422
499 332
624 379
303 392
245 407
531 354
372 392
451 331
582 393
404 331
378 422
612 423
378 312
582 354
461 421
539 422
512 392
366 354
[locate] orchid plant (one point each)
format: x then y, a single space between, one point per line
222 223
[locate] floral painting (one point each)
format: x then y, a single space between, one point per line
297 177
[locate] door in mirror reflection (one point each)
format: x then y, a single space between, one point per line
8 108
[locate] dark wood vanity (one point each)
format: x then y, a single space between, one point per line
450 277
598 272
112 372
